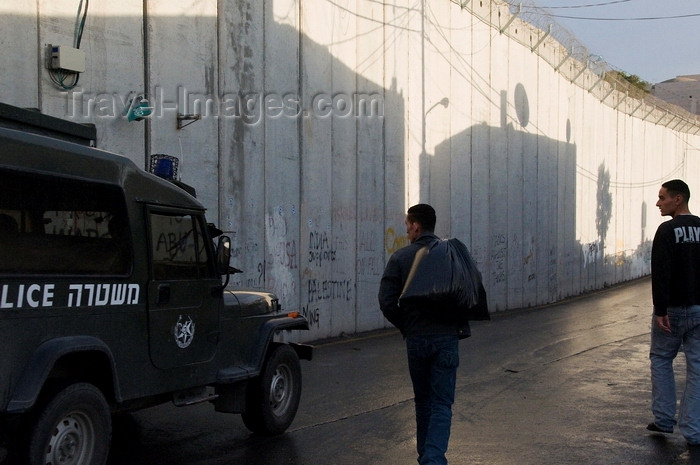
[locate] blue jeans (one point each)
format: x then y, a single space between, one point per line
432 363
685 327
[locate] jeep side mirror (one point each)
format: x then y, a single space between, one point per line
223 255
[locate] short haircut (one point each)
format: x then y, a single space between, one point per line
677 187
424 215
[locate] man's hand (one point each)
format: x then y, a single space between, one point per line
663 323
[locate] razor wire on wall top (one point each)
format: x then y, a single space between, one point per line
576 62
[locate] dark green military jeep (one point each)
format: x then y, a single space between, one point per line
111 300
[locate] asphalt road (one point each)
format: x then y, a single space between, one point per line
562 384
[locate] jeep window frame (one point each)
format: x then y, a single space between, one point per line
161 269
40 247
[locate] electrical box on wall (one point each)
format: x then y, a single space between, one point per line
66 58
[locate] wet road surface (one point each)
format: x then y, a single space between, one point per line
562 384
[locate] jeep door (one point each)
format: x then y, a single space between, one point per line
184 289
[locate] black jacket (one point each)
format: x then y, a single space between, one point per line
412 321
675 264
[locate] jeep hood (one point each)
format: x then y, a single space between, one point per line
253 303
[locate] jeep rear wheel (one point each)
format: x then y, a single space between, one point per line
273 398
74 428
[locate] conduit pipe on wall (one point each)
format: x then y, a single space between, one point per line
146 84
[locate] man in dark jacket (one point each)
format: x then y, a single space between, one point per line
675 284
432 346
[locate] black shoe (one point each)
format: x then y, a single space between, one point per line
657 429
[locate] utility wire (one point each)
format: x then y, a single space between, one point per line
649 18
580 6
591 5
80 26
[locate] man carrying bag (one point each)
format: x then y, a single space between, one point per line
417 294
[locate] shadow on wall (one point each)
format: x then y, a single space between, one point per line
516 191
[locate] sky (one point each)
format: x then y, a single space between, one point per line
623 33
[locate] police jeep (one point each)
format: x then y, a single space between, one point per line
111 300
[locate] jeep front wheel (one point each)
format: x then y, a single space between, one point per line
74 428
273 398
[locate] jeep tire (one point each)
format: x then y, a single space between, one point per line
73 428
273 398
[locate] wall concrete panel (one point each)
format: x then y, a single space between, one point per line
317 243
397 17
20 38
283 161
435 107
241 128
183 80
482 105
113 44
369 189
461 123
498 175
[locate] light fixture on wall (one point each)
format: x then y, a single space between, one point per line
191 118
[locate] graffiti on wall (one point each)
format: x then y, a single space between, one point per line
394 240
280 269
499 252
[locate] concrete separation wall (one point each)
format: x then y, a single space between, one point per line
309 126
